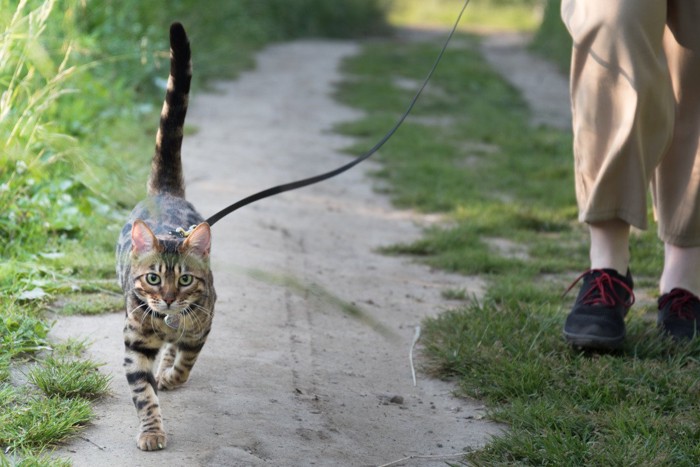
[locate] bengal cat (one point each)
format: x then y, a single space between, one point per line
165 276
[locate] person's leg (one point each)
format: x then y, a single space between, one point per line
677 179
681 269
679 305
609 247
622 104
623 110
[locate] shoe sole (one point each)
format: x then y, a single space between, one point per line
588 341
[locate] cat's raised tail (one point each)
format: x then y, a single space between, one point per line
166 168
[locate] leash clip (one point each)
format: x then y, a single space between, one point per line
182 233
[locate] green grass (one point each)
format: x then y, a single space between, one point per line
89 303
565 407
37 422
486 15
552 40
69 379
469 152
54 406
81 84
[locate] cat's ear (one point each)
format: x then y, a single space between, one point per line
199 241
142 238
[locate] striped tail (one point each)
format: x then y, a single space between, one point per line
166 168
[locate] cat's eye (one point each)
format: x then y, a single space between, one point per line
152 278
186 279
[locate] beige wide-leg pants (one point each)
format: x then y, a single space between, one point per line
635 96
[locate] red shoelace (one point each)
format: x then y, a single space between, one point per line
681 303
601 290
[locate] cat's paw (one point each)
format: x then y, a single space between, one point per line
151 440
170 379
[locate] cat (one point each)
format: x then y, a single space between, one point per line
165 276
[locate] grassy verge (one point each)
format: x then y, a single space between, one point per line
506 191
552 40
484 15
80 88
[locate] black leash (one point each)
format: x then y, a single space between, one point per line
319 178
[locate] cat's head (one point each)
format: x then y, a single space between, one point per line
170 276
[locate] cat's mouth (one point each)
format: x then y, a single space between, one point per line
172 315
163 309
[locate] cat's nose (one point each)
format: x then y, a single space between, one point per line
168 301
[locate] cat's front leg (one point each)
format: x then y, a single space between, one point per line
177 371
138 363
167 360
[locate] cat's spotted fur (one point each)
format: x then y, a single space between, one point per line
166 279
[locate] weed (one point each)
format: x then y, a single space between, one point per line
36 422
455 294
69 378
21 333
70 348
28 459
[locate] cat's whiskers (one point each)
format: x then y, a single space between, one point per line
153 324
200 307
143 315
181 327
137 307
200 316
148 315
147 312
194 320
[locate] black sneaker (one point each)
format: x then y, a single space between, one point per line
679 314
597 319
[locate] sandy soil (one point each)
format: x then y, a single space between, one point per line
289 377
543 87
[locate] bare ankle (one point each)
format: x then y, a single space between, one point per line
610 245
680 269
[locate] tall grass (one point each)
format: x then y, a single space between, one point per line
31 81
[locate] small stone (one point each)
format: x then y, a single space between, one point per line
396 400
386 399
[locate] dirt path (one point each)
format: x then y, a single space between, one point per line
543 87
289 377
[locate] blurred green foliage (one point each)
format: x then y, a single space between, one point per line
484 15
552 40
